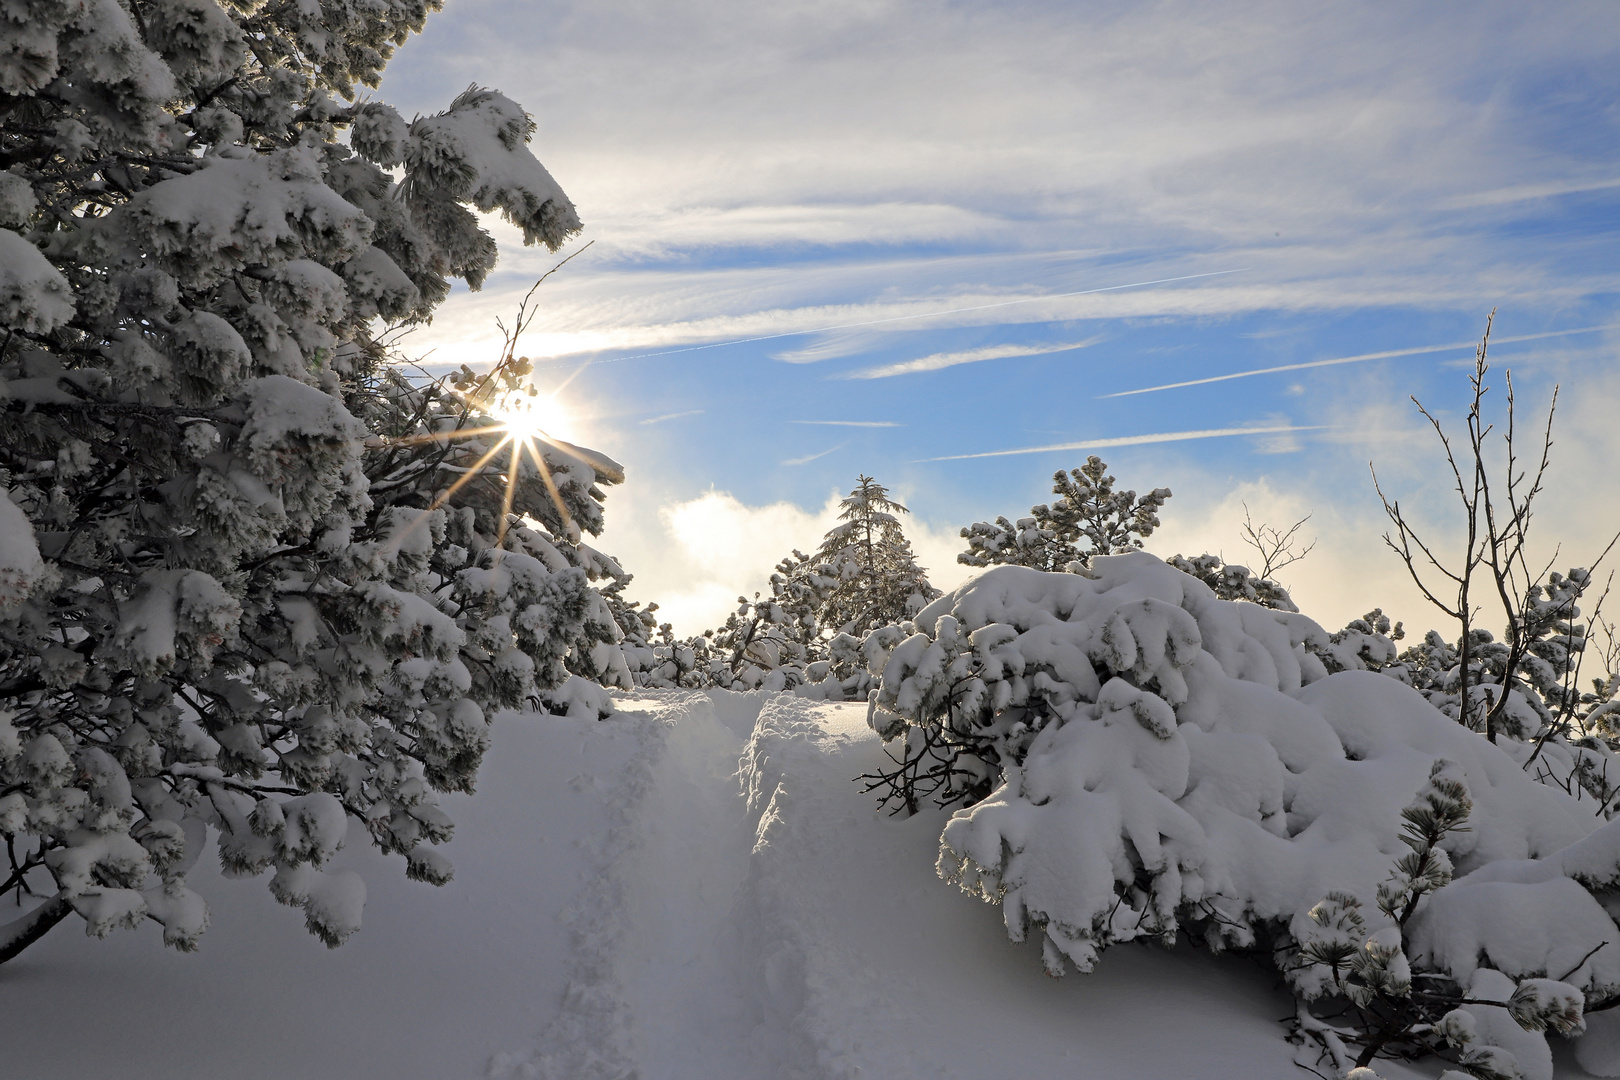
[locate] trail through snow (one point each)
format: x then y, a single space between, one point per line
796 933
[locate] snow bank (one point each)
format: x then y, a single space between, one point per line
690 889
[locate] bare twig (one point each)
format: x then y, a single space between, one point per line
1274 546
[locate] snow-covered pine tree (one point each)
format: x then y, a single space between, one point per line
254 581
1088 518
879 581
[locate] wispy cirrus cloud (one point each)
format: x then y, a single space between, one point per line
1386 354
1525 192
940 361
1138 440
830 347
673 416
1200 129
851 423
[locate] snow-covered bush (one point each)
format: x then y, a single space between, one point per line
769 642
253 580
1232 581
1141 759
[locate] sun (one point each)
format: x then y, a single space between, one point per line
540 416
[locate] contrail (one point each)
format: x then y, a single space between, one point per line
940 361
851 423
811 457
1359 359
907 318
1132 440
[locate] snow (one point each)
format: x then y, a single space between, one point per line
239 208
477 150
21 567
690 888
34 296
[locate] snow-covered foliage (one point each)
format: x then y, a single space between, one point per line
1232 581
770 642
253 580
651 654
1088 518
1140 758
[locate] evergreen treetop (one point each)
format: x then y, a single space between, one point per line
1088 518
880 583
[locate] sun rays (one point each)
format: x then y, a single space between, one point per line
524 420
525 424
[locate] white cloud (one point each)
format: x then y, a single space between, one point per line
669 320
831 346
1015 146
672 416
694 557
1387 354
808 458
1349 572
1139 440
1523 192
938 361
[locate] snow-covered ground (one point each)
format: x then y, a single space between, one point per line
691 889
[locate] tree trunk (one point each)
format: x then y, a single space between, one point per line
18 934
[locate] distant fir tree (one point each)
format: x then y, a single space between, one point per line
878 580
1088 518
809 627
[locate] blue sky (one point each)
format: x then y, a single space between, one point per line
893 237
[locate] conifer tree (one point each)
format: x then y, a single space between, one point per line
879 581
253 580
1088 518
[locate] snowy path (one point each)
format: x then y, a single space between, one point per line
621 910
804 936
